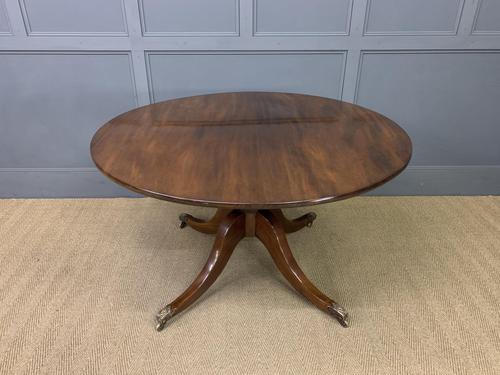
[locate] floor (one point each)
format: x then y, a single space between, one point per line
81 279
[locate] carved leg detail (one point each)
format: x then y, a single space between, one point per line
270 230
230 231
205 226
294 225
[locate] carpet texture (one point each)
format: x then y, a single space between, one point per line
81 279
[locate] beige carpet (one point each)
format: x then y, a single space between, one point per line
80 281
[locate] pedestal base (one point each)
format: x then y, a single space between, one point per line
229 227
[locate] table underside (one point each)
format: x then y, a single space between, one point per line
229 227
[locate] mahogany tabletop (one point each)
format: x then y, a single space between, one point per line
251 150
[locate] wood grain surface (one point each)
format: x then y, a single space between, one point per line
251 150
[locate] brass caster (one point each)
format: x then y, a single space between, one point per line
163 316
183 218
340 314
311 216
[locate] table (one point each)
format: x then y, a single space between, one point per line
250 155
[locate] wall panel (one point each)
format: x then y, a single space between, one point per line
487 18
189 17
177 75
74 17
302 17
4 20
410 17
448 102
51 103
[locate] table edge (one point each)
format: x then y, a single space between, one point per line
251 206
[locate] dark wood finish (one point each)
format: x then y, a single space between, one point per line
269 227
251 154
294 225
250 223
251 150
231 231
205 226
270 230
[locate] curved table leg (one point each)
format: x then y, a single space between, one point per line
270 230
204 226
294 225
230 231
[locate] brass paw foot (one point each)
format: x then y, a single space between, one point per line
311 216
162 317
339 313
183 218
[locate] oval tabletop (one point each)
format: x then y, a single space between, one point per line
251 150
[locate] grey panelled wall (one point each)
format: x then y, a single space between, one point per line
59 17
207 72
487 20
67 66
324 17
67 113
182 18
4 22
413 17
